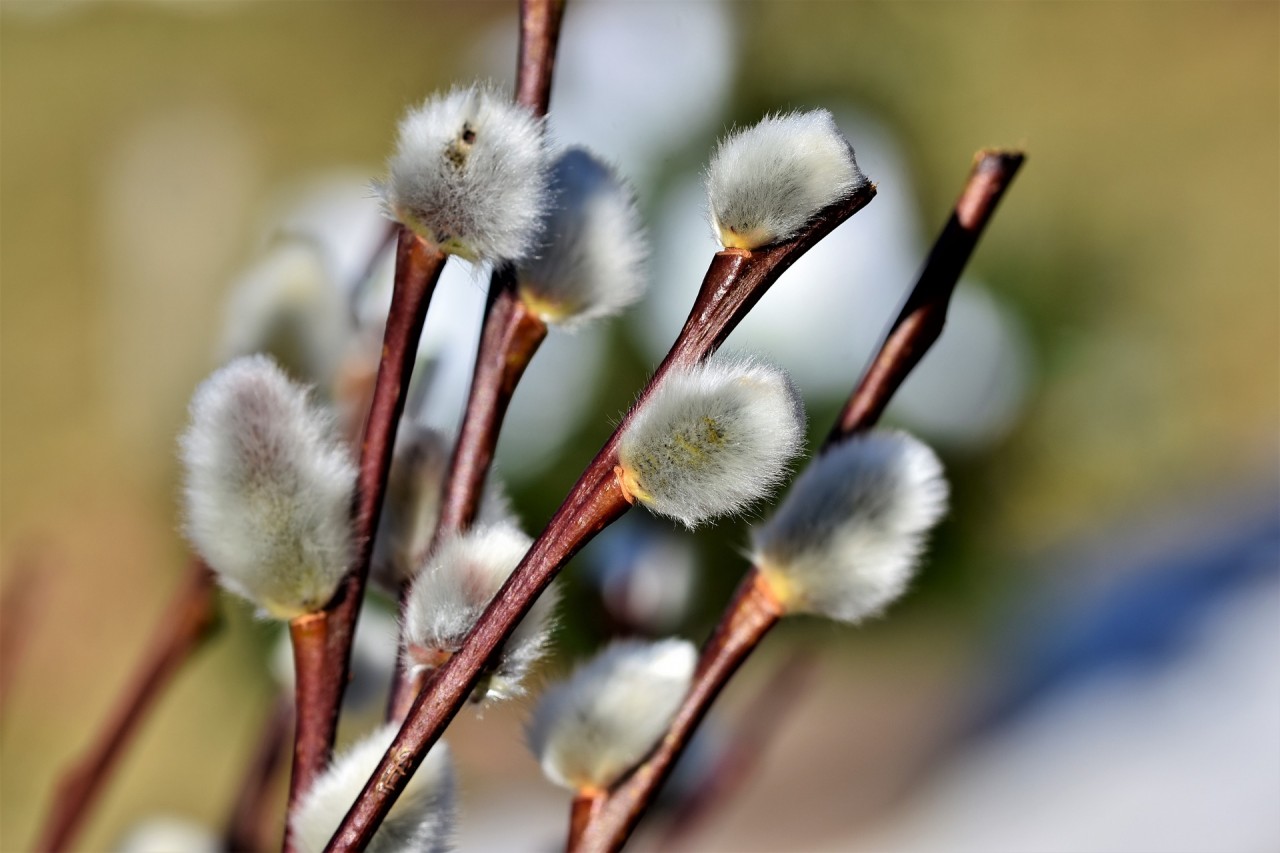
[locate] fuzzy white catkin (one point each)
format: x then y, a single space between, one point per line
590 257
847 537
712 439
421 820
766 182
460 579
589 730
288 306
268 488
411 508
469 173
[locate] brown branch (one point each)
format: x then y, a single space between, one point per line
760 722
750 615
911 335
920 322
249 829
418 267
536 61
511 336
582 812
312 746
191 615
734 283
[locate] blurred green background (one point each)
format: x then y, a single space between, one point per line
1139 247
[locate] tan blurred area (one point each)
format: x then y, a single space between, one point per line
140 141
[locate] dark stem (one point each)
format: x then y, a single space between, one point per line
312 745
418 267
511 336
920 322
752 612
760 722
911 335
249 828
539 34
584 810
190 618
734 283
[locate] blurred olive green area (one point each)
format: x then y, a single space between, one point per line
1139 245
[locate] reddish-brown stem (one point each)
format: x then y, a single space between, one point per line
539 35
752 612
759 723
250 827
511 336
911 335
418 266
920 322
734 283
312 747
191 616
582 812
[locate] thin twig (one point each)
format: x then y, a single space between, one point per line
584 809
920 322
760 721
734 283
190 618
418 267
312 749
536 61
911 335
249 829
511 336
750 615
508 341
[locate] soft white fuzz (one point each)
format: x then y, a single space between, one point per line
712 439
460 579
469 173
288 306
590 257
268 488
766 182
415 489
589 730
164 834
846 539
420 821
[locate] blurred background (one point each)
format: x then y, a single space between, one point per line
1088 660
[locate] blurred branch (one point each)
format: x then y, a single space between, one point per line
190 618
250 827
18 610
909 338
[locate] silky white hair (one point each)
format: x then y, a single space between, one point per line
589 730
287 305
420 821
411 509
846 540
469 174
590 257
460 579
268 488
712 439
766 182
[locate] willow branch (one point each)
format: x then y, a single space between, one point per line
910 336
734 283
510 337
921 320
418 267
190 619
